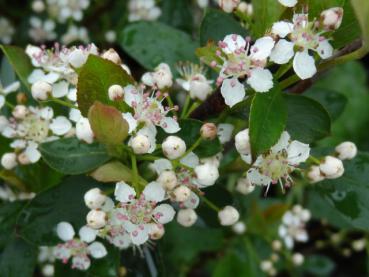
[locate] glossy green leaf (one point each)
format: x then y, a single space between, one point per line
318 265
266 13
177 14
94 80
107 123
8 216
217 24
207 54
37 221
267 120
307 120
71 156
152 43
20 62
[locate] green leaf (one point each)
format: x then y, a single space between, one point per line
8 215
318 265
94 80
331 100
217 24
177 14
152 43
20 62
18 259
207 54
71 156
107 123
307 120
7 74
267 120
361 9
266 13
38 219
347 198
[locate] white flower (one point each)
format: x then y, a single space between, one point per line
346 150
332 18
9 161
228 216
41 90
75 33
244 186
239 228
277 164
331 167
315 175
208 131
140 144
157 231
186 217
228 5
41 31
143 10
96 219
77 58
181 193
84 131
206 175
67 9
168 179
242 143
232 91
288 3
94 198
111 36
173 147
161 78
115 92
298 259
303 36
6 31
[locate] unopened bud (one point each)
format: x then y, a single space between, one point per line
186 217
228 5
41 90
228 216
38 6
245 8
48 270
266 265
315 175
208 131
332 18
298 259
359 245
239 228
112 56
23 159
206 174
157 231
332 167
242 142
140 144
94 198
20 111
346 150
276 245
173 147
96 219
181 193
9 161
115 92
244 186
168 179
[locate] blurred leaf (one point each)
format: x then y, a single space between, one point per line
7 74
217 24
12 179
94 80
107 123
307 120
8 216
207 54
20 62
152 43
38 219
18 259
177 14
361 9
266 13
267 120
332 101
318 265
71 156
348 195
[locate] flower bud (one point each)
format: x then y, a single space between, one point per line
9 161
358 245
157 231
112 56
83 130
315 175
186 217
332 18
276 245
332 167
96 219
228 5
206 174
48 270
208 131
41 90
244 186
346 150
20 111
239 228
94 198
77 58
162 76
242 142
38 6
245 8
115 92
23 159
168 179
228 216
140 144
181 193
298 259
266 265
173 147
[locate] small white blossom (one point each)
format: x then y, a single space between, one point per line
112 56
228 5
298 259
206 175
9 161
186 217
315 175
6 31
42 31
228 216
181 193
143 10
94 198
115 92
84 131
239 228
346 150
331 167
140 144
331 18
168 179
161 78
41 90
96 219
244 186
173 147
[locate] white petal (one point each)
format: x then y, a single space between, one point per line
304 65
232 91
225 131
51 77
282 143
140 236
282 28
62 252
262 48
261 80
288 3
77 58
32 153
72 94
131 95
233 42
298 152
12 87
150 132
108 205
123 192
154 192
190 160
75 115
170 125
2 101
97 250
47 113
132 123
148 79
161 165
247 158
325 49
87 234
164 213
65 231
81 262
60 89
84 131
282 52
60 125
192 202
35 76
255 178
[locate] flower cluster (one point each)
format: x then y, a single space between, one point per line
143 10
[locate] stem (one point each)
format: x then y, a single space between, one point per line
10 105
192 108
209 203
171 105
289 81
314 160
62 102
185 106
135 172
282 70
148 158
189 150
